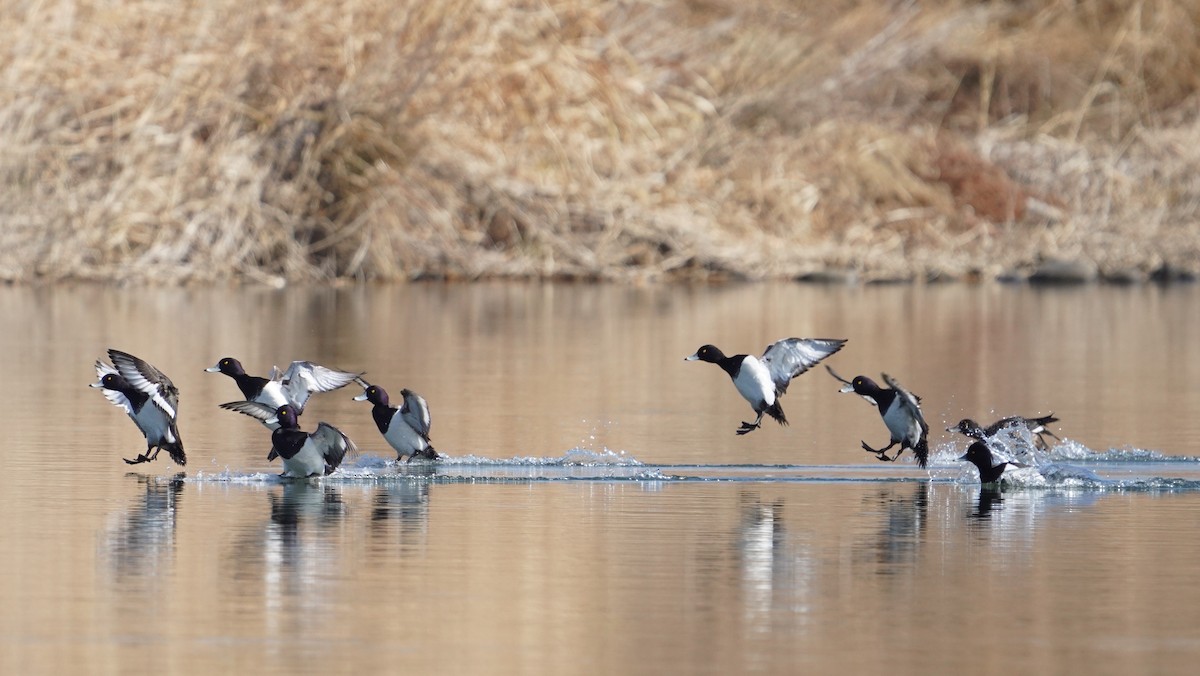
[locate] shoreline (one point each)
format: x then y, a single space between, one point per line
1053 273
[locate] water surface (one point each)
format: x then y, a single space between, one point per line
596 512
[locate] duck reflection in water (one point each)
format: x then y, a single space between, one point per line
297 543
990 498
141 542
773 573
400 514
404 501
898 542
305 501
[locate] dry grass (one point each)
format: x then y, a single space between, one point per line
301 140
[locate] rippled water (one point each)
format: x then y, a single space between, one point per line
596 512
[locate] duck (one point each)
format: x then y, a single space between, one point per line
304 454
762 381
1036 427
294 386
901 412
149 398
405 428
990 472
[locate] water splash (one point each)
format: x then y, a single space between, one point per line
1068 466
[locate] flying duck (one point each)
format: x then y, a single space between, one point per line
294 386
150 399
406 428
761 381
304 454
901 412
1036 427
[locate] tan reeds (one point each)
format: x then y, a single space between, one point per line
307 140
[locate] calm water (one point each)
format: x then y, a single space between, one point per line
596 512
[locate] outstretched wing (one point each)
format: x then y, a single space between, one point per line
415 412
303 378
788 358
335 444
146 379
908 400
254 409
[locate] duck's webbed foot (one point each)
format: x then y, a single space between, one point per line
138 460
747 428
880 453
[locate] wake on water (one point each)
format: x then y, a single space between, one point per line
1068 465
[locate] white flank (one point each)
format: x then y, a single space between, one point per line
900 422
155 424
307 462
754 383
272 395
403 438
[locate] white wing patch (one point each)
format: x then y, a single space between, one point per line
254 409
131 369
303 378
785 359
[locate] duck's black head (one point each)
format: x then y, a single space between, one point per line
708 353
865 386
978 454
286 417
112 381
374 394
229 366
968 427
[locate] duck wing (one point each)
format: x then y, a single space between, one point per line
334 445
415 412
304 378
146 379
785 359
908 400
254 409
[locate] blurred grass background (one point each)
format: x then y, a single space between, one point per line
306 140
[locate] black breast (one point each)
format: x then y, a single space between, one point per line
136 398
383 416
733 365
250 385
288 443
884 398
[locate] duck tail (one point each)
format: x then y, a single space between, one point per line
921 450
776 412
175 449
1046 420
